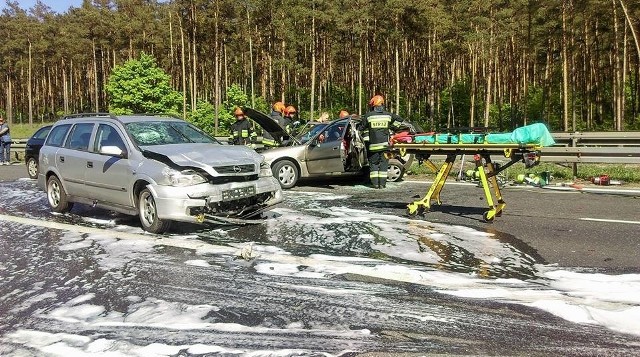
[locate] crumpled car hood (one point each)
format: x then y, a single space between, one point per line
203 156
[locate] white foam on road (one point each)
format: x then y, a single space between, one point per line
608 300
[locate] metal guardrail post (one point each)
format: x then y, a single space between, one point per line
574 166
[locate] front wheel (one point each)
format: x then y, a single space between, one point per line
286 173
396 171
149 214
57 196
32 168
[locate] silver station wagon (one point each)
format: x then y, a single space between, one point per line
160 168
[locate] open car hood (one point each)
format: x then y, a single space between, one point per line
269 125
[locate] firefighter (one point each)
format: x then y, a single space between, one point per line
343 114
289 118
276 114
377 124
241 132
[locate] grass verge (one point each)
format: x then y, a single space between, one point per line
563 172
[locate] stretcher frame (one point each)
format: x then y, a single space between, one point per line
487 170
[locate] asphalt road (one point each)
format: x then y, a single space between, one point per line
567 228
92 282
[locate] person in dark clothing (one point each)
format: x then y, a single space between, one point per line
241 132
5 143
289 118
377 124
276 114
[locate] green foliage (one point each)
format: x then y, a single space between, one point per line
455 102
236 97
24 131
202 117
139 86
624 173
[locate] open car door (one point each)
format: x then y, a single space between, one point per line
326 152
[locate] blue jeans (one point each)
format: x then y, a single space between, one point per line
5 151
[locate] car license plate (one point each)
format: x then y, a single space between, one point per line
237 193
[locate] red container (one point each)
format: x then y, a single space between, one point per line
604 180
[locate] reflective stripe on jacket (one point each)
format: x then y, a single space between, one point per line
377 125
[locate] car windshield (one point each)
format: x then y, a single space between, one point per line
148 133
309 131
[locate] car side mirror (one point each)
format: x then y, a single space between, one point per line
113 151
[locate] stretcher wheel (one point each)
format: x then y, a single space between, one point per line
414 210
488 216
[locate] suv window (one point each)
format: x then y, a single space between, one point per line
79 137
108 136
41 133
56 137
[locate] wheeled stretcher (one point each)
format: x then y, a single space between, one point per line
515 146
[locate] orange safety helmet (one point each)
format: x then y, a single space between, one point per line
279 107
290 109
238 112
343 114
376 101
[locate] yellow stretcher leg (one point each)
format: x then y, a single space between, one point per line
496 187
494 210
420 206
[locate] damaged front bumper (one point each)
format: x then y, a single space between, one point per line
231 202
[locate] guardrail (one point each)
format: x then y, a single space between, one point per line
589 147
594 147
17 148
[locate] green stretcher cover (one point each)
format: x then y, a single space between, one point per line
536 134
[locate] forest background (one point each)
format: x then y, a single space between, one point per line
571 64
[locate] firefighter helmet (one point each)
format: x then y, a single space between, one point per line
278 107
290 110
238 112
376 101
343 114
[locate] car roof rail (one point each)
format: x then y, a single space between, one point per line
159 115
84 115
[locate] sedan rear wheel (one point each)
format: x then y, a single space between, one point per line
149 214
396 171
32 168
286 172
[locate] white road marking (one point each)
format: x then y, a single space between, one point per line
609 220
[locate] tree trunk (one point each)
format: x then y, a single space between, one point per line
253 94
360 67
633 32
184 73
96 104
9 99
565 68
397 81
313 63
472 105
29 89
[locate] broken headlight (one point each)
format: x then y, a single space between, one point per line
265 170
182 178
